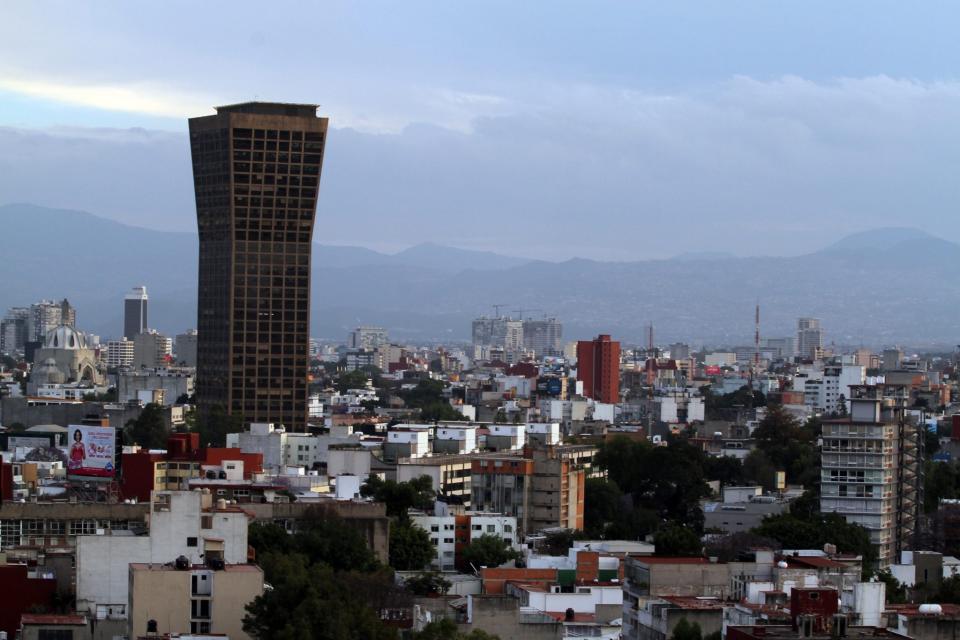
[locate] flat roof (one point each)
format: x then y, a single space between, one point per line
695 602
52 619
673 560
271 108
229 568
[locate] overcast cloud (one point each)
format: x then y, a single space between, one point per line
601 130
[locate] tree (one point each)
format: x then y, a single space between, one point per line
436 411
149 429
400 497
356 379
896 590
817 530
428 583
557 543
214 429
488 551
949 591
676 540
310 602
732 547
410 547
790 446
684 630
446 629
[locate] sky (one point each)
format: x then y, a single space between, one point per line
549 129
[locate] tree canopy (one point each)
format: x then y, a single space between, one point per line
400 497
149 429
488 551
326 584
410 546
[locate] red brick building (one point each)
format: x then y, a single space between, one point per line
598 368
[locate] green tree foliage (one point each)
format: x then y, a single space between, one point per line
446 629
789 446
436 411
149 430
896 590
949 592
685 630
725 469
400 497
610 515
734 546
817 530
742 397
410 546
941 481
214 429
667 481
356 379
677 540
326 584
425 393
311 602
428 583
488 551
558 543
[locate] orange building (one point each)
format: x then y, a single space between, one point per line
598 367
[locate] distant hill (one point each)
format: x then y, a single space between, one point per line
881 286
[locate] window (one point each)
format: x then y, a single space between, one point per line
477 527
191 542
206 522
434 541
200 609
55 634
199 627
434 528
508 528
491 528
448 540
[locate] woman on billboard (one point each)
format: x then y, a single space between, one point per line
77 451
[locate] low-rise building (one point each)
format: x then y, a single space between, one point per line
179 597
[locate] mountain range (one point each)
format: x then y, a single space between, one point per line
878 287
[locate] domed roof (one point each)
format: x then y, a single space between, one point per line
65 337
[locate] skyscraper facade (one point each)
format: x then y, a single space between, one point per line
809 338
871 465
544 337
598 367
256 170
135 313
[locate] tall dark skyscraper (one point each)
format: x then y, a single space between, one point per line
256 173
135 313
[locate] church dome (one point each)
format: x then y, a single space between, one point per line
65 337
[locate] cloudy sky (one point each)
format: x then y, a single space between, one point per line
609 130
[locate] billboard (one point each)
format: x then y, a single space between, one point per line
713 370
91 451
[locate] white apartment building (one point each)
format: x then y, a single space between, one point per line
407 441
279 448
870 467
182 523
544 433
506 437
447 530
455 438
119 353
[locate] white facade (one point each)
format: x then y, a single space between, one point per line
720 359
516 435
544 432
462 438
442 530
418 439
182 523
119 353
279 448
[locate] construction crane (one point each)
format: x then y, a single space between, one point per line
496 309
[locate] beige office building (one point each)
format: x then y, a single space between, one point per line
165 599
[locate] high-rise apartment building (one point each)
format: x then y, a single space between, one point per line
256 169
809 338
120 353
47 315
151 350
544 337
505 333
366 337
185 348
13 330
871 463
598 367
135 313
